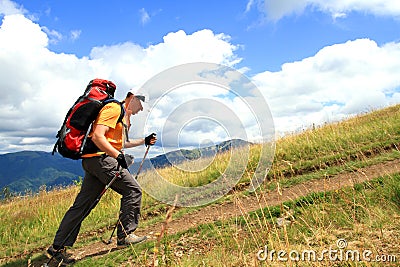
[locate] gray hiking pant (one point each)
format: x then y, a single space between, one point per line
98 172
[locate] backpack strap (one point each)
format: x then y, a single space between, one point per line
121 116
113 100
88 145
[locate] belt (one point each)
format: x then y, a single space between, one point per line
101 156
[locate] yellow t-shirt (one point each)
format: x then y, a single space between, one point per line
108 116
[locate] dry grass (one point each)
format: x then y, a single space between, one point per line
29 224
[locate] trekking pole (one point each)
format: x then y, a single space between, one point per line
109 241
141 164
117 175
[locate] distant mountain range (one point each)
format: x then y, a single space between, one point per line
28 171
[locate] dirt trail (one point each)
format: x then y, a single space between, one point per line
241 206
238 207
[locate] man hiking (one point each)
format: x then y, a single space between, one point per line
100 168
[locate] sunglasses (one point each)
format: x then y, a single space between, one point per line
141 97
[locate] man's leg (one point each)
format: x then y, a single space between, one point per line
130 204
90 190
105 169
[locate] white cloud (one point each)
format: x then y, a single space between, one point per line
144 16
179 47
132 64
38 85
8 7
54 36
339 81
249 5
199 112
277 9
74 35
376 7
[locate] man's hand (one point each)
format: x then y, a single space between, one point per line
121 161
150 139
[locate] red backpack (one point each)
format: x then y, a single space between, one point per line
72 139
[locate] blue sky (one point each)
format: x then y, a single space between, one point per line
141 22
266 44
314 61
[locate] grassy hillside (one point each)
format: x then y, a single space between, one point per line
365 215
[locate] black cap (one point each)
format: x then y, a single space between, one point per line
141 97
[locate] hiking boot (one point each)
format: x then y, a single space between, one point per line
130 240
61 256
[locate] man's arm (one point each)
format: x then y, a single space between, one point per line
133 143
100 140
151 139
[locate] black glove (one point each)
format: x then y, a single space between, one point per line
121 161
148 139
